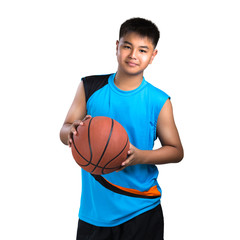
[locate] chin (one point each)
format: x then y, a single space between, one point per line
133 72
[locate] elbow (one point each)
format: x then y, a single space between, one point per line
180 155
62 137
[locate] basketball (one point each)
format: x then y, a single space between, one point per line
100 146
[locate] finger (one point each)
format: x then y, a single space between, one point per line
77 123
127 161
120 169
70 143
87 117
75 126
70 140
130 151
81 122
123 165
73 130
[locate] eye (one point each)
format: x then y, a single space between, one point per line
142 51
126 47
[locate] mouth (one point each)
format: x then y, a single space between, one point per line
132 64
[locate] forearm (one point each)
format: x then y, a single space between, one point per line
163 155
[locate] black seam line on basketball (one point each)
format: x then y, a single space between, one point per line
113 188
79 153
114 157
109 137
95 165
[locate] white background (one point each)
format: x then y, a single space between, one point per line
47 46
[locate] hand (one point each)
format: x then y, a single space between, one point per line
134 157
73 129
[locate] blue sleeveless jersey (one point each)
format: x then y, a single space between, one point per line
112 199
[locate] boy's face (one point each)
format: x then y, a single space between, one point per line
134 53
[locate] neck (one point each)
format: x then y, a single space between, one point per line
127 82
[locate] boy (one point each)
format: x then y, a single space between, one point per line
146 113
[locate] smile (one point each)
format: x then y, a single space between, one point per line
132 64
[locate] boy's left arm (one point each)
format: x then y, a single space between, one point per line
171 150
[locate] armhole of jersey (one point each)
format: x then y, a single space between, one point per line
158 113
94 83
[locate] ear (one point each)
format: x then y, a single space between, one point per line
117 44
153 55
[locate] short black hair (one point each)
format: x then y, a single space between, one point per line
141 26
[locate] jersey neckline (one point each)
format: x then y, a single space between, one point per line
122 92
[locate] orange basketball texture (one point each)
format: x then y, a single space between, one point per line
100 146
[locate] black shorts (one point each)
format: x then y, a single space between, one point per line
146 226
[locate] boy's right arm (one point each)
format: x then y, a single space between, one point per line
75 116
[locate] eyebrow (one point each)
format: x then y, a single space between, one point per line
146 47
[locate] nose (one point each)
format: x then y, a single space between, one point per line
132 54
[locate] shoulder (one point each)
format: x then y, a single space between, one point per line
94 83
157 91
157 99
157 96
93 78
